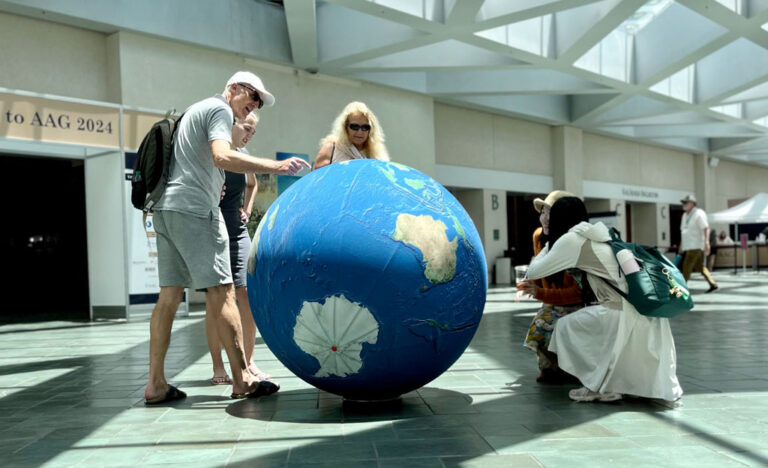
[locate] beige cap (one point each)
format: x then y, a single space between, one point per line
551 199
689 198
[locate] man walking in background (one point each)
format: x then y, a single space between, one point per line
694 241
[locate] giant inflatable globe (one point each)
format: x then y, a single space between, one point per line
367 279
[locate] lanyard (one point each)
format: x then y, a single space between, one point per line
688 217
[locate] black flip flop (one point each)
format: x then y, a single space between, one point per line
264 388
172 394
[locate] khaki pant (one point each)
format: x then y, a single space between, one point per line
694 261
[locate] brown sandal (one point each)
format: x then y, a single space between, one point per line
221 380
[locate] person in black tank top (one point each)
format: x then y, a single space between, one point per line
236 204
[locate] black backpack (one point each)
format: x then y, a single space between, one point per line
153 164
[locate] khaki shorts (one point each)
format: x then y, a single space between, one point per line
692 262
192 251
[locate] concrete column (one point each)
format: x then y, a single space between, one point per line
663 234
488 210
495 229
704 181
568 160
599 205
650 224
620 207
114 69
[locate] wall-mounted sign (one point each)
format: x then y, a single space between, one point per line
59 121
598 189
39 119
640 193
135 126
285 181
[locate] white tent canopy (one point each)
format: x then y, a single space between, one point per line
754 210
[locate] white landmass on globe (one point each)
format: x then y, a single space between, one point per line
334 333
428 235
273 216
253 254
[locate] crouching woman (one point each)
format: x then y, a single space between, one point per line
610 347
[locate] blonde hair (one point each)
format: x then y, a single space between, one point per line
374 146
252 115
239 121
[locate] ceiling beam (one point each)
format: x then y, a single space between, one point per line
301 19
749 28
690 131
462 11
591 23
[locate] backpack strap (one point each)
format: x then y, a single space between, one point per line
615 288
333 151
615 235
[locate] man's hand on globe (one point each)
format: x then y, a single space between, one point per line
292 166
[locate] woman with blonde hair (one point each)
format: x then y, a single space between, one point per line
356 134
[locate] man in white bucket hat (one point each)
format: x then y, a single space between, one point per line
192 240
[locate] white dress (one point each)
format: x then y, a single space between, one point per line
610 347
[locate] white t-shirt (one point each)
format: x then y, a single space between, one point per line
692 227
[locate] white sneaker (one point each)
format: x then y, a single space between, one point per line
585 394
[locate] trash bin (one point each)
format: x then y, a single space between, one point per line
503 270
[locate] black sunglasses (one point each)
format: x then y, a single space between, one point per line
355 127
256 97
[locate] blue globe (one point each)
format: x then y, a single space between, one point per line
367 279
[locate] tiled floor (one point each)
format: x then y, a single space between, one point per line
71 395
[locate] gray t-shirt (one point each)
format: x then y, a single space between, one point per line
195 183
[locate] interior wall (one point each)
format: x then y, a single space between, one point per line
734 181
465 137
177 75
627 162
644 223
50 58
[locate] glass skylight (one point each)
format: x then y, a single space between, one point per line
421 9
733 5
644 15
611 57
530 35
678 86
734 110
